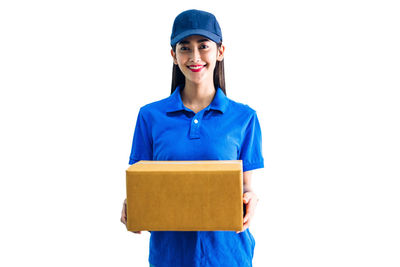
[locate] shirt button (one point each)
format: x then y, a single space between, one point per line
196 121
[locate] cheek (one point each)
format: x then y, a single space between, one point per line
182 59
212 61
182 67
211 58
180 62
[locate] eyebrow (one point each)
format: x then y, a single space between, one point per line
199 41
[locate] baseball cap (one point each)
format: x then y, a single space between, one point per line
195 22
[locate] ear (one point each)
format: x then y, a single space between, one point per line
221 51
174 57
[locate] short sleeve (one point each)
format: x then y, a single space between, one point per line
251 149
142 145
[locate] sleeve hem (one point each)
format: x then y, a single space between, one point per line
253 166
133 161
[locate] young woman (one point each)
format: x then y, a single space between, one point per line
198 122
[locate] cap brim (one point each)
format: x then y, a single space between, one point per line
183 35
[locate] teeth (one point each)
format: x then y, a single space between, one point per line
195 68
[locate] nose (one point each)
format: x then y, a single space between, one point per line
195 55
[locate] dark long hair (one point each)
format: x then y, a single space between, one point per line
219 75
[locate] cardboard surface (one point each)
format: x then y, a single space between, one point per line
185 195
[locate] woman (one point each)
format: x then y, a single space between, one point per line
198 122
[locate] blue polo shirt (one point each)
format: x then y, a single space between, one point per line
224 130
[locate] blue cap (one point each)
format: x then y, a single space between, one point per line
195 22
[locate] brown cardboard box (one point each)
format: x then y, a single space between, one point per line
185 195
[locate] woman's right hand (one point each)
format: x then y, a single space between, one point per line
124 217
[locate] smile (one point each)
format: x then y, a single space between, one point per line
196 68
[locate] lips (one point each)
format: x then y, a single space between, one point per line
196 68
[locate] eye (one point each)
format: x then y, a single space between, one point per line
183 48
204 46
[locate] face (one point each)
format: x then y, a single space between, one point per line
196 57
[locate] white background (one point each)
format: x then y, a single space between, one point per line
323 77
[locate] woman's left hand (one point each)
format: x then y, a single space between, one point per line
250 199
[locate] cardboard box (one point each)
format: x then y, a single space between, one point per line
185 195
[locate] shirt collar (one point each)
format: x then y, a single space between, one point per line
220 101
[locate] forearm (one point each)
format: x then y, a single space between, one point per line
247 182
247 188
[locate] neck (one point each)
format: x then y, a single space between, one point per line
198 94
